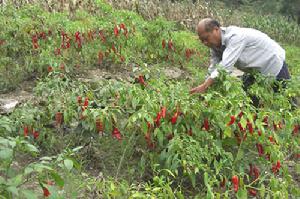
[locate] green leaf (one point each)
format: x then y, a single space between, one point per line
193 179
29 194
68 164
13 190
206 179
262 191
227 132
242 193
58 180
159 136
32 148
28 170
6 153
2 180
17 180
239 155
243 122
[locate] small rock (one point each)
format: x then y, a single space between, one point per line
7 106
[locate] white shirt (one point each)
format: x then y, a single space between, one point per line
246 48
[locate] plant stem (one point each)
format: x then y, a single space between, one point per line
123 155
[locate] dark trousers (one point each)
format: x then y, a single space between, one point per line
249 79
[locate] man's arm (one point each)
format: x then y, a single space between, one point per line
231 54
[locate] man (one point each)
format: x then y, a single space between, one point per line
247 49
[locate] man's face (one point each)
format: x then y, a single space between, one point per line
211 39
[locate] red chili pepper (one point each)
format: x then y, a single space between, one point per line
187 53
116 31
174 118
163 112
2 42
57 51
149 125
250 127
35 41
271 139
79 100
190 132
170 45
266 120
157 119
122 58
36 134
117 134
259 132
100 57
268 157
101 35
260 149
99 126
86 102
278 164
49 69
151 144
251 170
252 192
46 192
114 48
206 124
25 131
232 120
240 127
78 39
235 182
256 172
126 32
122 26
163 43
296 129
77 36
58 118
276 167
62 66
141 80
42 35
90 35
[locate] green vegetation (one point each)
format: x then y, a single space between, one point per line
141 134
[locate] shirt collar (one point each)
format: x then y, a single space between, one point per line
223 29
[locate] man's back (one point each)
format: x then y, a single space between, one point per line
258 51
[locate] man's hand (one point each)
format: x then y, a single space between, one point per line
199 89
202 87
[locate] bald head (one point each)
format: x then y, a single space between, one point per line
208 24
209 32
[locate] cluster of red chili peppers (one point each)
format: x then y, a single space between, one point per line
27 129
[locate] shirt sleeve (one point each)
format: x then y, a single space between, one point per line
232 52
214 60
